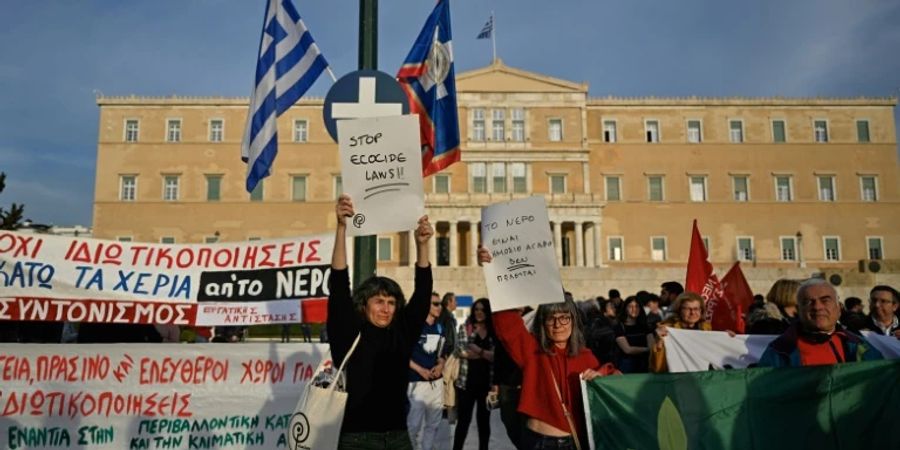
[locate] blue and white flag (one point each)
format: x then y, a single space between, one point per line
289 63
487 29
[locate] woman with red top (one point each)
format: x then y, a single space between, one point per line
554 359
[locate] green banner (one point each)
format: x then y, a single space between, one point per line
842 407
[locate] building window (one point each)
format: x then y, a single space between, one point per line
613 189
216 130
167 240
873 245
257 194
609 131
555 130
557 184
658 248
783 191
213 188
778 131
736 131
862 131
832 248
170 188
741 186
442 184
518 125
128 188
744 248
301 130
384 248
655 188
254 238
443 250
479 177
826 188
173 130
869 188
698 188
498 177
616 248
519 178
338 186
651 130
124 239
211 239
132 130
694 134
478 124
821 130
705 240
788 248
498 125
298 188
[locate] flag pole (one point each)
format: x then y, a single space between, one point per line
333 78
494 35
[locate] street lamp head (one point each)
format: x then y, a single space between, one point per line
799 235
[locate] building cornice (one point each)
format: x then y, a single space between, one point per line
741 101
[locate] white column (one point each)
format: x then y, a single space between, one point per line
411 248
598 256
557 241
579 244
454 243
472 257
432 247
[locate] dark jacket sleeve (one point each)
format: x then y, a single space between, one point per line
343 322
417 309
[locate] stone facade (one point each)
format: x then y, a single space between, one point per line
790 186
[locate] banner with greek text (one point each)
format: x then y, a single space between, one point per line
693 351
163 396
47 277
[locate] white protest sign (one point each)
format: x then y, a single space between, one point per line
381 166
524 270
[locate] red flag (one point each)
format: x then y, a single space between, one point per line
701 280
698 268
737 291
314 310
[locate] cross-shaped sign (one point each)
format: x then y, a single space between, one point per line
364 93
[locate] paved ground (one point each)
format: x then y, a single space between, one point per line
499 440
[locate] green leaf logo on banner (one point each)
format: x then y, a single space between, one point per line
670 429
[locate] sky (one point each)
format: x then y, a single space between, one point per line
57 55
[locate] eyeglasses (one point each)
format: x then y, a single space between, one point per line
562 319
435 303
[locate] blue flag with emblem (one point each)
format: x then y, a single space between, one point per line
289 63
429 81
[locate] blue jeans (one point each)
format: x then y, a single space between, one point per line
536 441
372 440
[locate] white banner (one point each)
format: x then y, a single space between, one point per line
47 277
163 396
381 168
693 351
524 270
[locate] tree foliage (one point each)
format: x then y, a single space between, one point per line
10 219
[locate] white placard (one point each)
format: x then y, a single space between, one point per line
524 270
381 165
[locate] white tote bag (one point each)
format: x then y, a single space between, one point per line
316 422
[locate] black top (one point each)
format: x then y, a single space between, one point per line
377 372
478 375
636 334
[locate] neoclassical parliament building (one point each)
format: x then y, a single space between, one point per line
789 186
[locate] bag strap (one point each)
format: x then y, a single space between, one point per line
566 411
337 375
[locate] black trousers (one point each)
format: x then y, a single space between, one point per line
465 400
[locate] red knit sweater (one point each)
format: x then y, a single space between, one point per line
539 399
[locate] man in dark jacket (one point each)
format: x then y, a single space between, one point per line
817 338
882 318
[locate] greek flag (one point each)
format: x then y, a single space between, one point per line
487 29
289 63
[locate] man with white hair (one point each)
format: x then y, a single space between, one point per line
817 338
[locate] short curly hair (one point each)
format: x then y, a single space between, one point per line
374 286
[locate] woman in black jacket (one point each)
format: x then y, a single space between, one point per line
377 372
